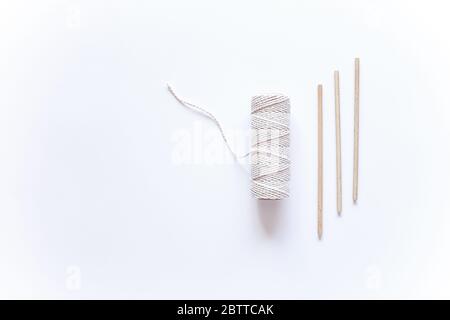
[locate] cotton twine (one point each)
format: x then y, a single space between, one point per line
269 153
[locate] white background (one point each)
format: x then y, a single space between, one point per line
93 205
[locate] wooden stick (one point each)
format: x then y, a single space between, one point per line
319 162
338 143
356 134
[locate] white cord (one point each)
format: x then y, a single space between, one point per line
270 163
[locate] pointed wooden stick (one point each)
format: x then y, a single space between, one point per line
338 143
356 134
319 162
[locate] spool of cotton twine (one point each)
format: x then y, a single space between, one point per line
269 153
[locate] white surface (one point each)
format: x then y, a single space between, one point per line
93 205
